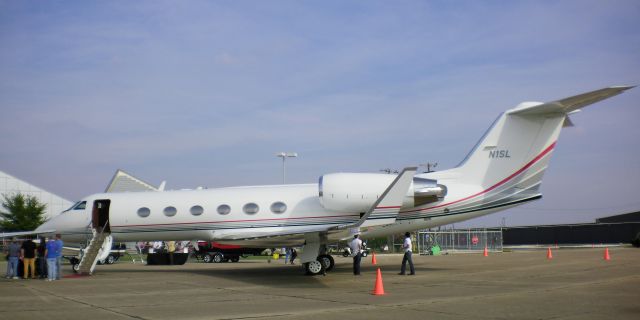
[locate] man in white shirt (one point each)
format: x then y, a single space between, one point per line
407 255
356 247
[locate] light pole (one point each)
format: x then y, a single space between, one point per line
285 155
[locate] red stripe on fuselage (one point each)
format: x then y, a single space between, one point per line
503 181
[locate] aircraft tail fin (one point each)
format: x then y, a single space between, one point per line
513 154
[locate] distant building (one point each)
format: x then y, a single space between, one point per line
623 228
11 185
124 182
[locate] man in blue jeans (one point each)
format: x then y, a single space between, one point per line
13 253
51 254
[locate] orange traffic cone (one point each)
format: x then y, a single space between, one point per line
378 290
549 254
606 254
373 259
486 252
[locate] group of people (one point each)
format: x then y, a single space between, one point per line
48 254
356 252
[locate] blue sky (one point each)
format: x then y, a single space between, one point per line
204 93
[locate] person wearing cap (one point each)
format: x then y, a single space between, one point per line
407 255
356 252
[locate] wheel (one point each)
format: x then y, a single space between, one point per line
365 254
110 259
345 253
327 261
75 265
207 258
235 259
217 257
314 268
100 262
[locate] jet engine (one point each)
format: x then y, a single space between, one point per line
357 192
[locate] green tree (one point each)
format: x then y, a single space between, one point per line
23 213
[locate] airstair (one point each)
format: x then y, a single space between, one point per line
98 248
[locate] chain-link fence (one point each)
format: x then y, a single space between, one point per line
471 240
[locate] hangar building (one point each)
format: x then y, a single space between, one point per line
55 204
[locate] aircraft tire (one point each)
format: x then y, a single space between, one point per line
327 261
75 264
314 268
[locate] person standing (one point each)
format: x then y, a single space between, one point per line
51 254
407 255
356 247
171 248
59 245
13 255
41 261
287 252
294 255
28 254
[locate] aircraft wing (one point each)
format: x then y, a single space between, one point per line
25 233
386 208
571 104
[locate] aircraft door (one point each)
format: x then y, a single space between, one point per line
100 215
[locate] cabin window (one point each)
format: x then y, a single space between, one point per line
250 208
144 212
224 209
278 207
196 210
170 211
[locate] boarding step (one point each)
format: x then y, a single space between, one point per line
100 243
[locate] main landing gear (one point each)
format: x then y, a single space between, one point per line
321 265
314 257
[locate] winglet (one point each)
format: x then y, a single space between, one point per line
386 208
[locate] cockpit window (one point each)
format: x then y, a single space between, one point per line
80 205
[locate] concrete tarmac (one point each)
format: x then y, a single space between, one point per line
575 284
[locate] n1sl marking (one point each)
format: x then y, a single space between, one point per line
499 154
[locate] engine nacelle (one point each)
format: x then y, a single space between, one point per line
357 192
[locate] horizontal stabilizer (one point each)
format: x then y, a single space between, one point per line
570 104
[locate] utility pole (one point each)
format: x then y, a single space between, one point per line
285 155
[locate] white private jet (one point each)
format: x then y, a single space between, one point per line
503 170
